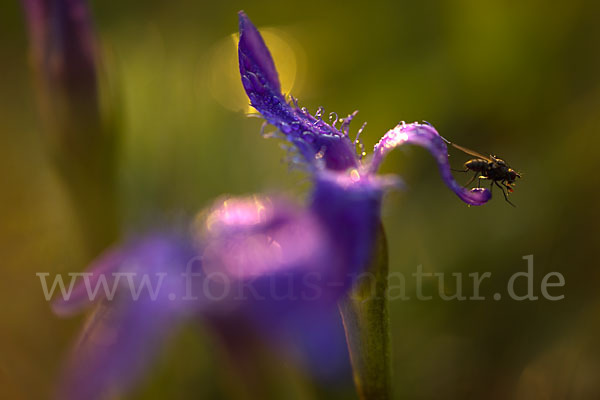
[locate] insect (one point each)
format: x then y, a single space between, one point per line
492 168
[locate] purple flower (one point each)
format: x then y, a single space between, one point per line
276 265
325 148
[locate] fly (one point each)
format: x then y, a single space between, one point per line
489 167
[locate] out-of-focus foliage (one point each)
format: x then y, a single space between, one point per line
518 79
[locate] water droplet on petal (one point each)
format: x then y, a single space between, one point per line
320 154
285 128
308 137
319 112
333 118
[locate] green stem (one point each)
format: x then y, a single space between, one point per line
365 315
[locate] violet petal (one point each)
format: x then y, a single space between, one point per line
315 139
271 258
349 206
426 136
125 332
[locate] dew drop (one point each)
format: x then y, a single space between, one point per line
359 142
320 154
319 112
285 128
308 137
333 121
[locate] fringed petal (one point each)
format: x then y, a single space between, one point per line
322 145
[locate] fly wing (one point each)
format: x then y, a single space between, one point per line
472 152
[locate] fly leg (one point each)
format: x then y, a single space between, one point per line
509 189
472 179
504 193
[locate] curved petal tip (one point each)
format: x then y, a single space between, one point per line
426 136
475 196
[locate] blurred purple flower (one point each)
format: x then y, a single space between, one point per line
131 321
274 264
265 261
63 47
79 136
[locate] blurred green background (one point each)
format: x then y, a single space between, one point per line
515 78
